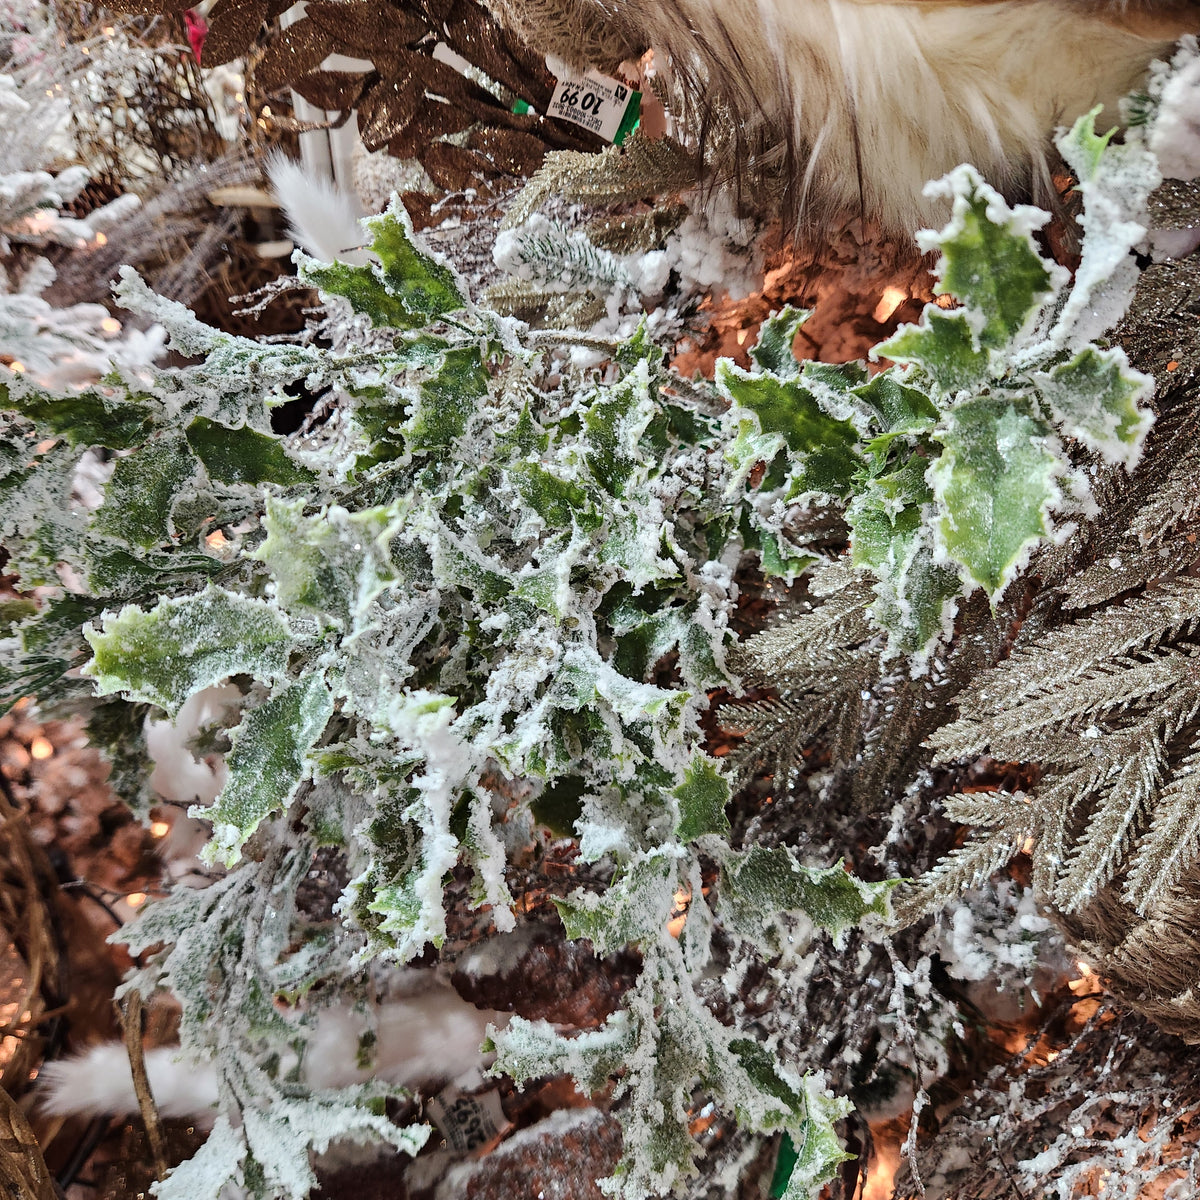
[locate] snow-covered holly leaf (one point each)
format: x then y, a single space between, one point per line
944 346
702 797
181 645
406 289
88 418
334 562
825 448
614 424
891 537
989 261
1094 397
819 1151
634 908
760 883
994 483
773 350
446 401
268 761
558 501
244 455
141 491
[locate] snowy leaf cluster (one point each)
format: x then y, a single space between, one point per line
484 589
951 463
60 346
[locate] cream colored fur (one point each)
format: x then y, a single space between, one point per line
878 98
926 87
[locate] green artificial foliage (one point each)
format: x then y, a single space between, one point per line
494 585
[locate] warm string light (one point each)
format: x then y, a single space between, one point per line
159 829
135 899
891 300
41 747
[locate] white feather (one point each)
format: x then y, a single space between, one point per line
322 217
429 1036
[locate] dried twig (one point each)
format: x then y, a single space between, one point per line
131 1017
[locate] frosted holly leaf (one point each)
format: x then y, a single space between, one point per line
447 401
776 336
614 423
559 502
39 526
637 549
333 562
819 1152
890 536
92 417
268 762
896 409
994 483
989 260
244 455
113 571
702 797
141 492
758 884
165 655
916 597
1094 397
525 1049
409 287
633 909
1115 181
945 346
777 558
825 448
280 1134
833 386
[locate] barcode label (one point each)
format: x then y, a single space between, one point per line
468 1122
597 103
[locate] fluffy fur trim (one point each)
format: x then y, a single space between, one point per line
857 104
429 1036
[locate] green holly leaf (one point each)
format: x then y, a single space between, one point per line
406 289
1094 397
944 346
634 908
776 335
87 418
994 483
242 455
890 536
268 761
989 260
895 407
167 654
702 797
820 1151
759 883
140 493
446 402
826 448
425 286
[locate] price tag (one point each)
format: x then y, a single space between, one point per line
468 1123
596 102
